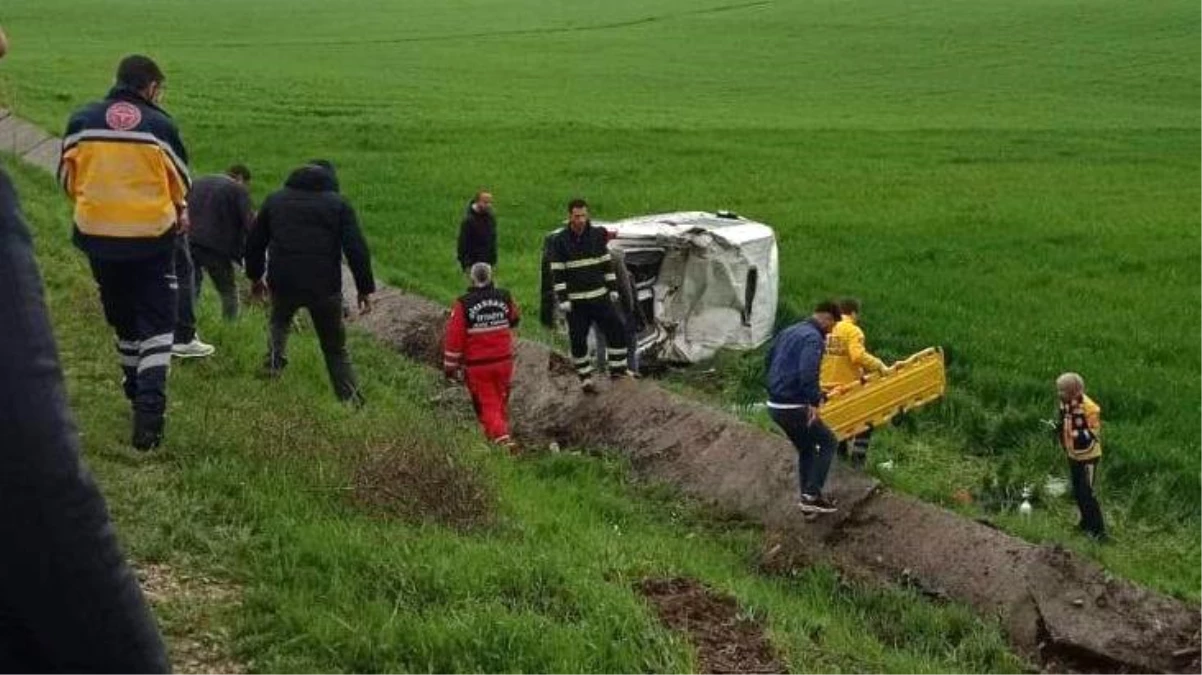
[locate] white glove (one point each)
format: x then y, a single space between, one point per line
565 307
613 296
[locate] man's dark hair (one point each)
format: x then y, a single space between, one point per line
138 72
577 203
239 171
828 307
325 164
849 306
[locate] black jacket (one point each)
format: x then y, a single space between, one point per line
628 306
305 229
221 214
477 238
68 600
582 269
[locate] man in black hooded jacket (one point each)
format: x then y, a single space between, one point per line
305 229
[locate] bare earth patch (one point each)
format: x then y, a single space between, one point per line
412 481
185 605
727 640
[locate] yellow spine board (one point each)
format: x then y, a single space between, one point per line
876 399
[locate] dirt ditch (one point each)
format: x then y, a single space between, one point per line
1056 607
727 639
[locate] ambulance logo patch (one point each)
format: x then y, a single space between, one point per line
123 116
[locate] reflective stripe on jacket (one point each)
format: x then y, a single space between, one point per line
1080 421
125 168
581 266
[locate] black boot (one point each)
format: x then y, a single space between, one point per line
148 431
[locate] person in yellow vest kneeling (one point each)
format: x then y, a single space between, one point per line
847 360
1080 421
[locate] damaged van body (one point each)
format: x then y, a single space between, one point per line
701 282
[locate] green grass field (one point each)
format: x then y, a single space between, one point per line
1015 180
254 488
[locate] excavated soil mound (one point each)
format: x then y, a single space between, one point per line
417 483
727 640
1047 599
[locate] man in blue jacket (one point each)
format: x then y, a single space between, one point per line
794 394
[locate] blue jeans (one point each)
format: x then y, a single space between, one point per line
815 445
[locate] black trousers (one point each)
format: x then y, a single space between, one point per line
139 298
855 449
603 314
1082 475
220 269
326 314
815 444
185 320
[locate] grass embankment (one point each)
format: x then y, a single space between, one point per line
349 560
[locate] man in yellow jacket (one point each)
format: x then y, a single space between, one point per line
1080 421
126 170
847 360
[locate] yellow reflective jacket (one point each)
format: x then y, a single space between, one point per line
1080 421
125 168
846 359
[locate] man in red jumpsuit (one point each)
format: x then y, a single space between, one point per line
479 341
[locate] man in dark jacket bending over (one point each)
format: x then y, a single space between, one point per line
221 213
793 364
307 227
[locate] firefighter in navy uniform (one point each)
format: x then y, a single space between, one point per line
585 285
479 342
125 167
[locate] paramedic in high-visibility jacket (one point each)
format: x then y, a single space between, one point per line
585 285
794 397
846 361
1080 422
479 343
125 167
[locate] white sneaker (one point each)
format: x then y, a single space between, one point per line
193 349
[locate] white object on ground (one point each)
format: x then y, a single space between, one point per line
1025 508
